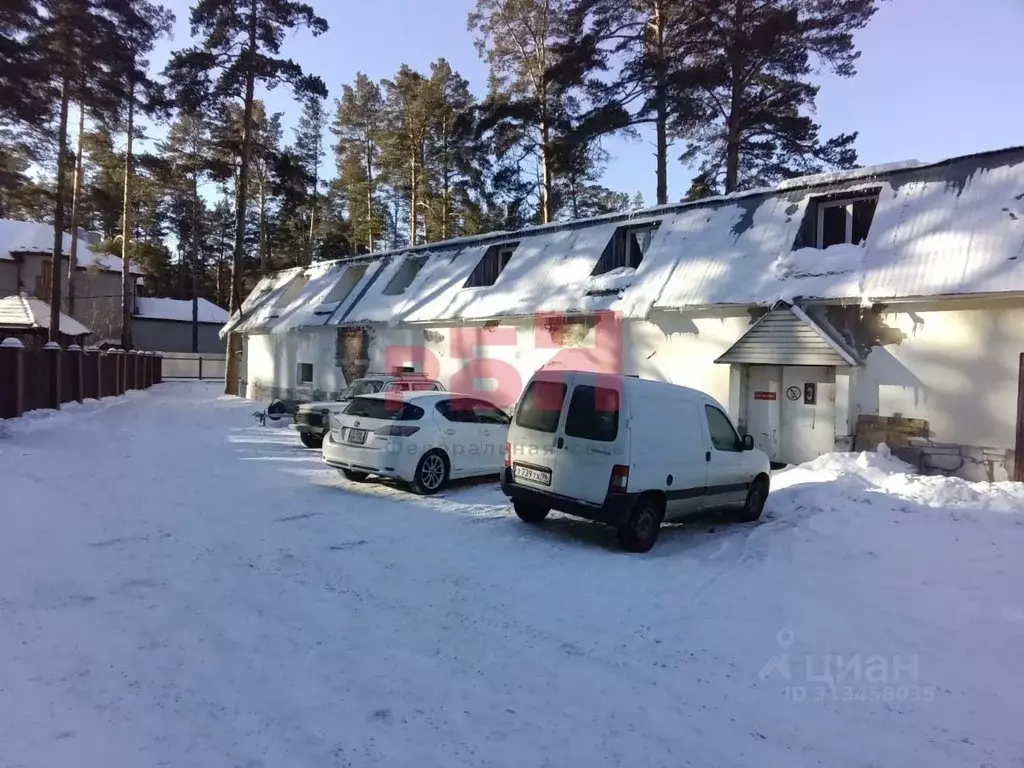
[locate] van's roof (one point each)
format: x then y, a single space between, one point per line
554 374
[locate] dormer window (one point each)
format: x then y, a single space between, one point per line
405 275
845 220
491 265
627 247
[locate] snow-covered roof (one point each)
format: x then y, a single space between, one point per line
179 310
34 237
949 228
28 312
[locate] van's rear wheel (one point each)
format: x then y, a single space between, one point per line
754 505
310 440
641 529
530 513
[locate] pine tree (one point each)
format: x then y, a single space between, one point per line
241 42
309 151
23 96
68 53
518 39
753 66
359 127
191 162
650 41
455 161
139 25
407 123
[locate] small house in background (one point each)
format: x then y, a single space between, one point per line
166 325
27 319
26 249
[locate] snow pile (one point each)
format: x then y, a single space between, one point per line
880 479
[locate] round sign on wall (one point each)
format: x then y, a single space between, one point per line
793 393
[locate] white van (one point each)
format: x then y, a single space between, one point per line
627 452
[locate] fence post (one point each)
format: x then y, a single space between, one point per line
1018 448
118 366
90 374
200 367
12 379
107 365
132 376
75 361
158 371
51 374
150 365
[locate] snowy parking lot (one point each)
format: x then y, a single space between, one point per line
182 587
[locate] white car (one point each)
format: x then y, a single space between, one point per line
422 438
312 420
627 452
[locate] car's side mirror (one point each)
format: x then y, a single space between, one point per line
748 442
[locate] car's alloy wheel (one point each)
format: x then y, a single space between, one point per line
431 473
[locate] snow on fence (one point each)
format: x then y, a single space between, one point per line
46 377
193 365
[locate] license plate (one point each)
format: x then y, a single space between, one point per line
357 436
541 476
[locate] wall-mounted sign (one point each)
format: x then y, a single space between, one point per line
810 393
793 393
764 395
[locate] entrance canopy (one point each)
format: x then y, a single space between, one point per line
787 336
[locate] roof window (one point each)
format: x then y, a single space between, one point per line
405 275
491 265
627 247
845 220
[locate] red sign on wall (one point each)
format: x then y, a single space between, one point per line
764 395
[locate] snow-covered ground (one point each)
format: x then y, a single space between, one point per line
181 587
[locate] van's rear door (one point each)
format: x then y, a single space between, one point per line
592 438
534 431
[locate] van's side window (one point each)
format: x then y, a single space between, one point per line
593 414
723 436
541 406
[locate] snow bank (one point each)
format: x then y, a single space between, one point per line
881 480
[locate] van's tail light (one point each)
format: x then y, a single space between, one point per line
394 430
620 479
508 455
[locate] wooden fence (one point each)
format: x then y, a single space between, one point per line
47 377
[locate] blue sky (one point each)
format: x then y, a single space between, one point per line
937 78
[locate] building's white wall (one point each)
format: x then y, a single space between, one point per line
272 362
956 368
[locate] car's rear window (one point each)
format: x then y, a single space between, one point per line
593 414
390 408
540 406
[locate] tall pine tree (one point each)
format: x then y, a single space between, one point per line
359 125
753 68
518 39
308 150
241 42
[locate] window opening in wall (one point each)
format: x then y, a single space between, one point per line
305 373
491 265
405 275
627 247
845 221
